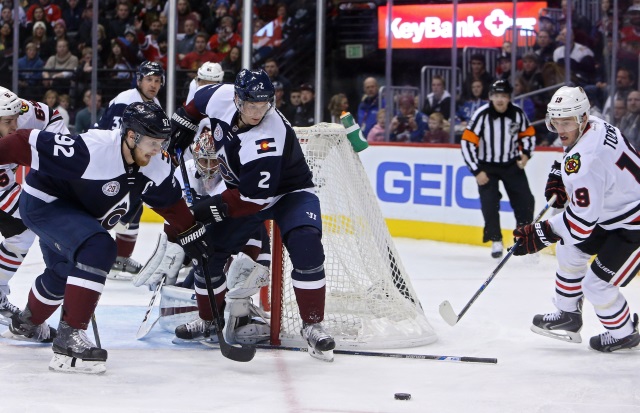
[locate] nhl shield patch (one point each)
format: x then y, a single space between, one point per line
266 145
572 164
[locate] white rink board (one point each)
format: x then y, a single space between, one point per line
433 184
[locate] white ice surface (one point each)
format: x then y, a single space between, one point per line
533 374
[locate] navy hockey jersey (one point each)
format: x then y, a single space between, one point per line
112 118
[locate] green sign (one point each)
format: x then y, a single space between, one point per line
354 51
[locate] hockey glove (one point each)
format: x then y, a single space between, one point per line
194 242
183 130
213 208
533 238
555 186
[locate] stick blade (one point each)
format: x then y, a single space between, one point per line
145 329
447 313
242 354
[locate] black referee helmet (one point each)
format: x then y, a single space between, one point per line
501 86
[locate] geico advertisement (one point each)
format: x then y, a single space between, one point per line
431 26
433 184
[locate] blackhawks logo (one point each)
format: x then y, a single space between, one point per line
572 164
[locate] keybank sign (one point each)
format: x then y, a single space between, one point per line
428 184
478 24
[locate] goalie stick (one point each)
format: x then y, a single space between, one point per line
146 325
245 352
446 310
456 359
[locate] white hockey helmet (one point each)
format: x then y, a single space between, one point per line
567 102
205 155
10 103
211 72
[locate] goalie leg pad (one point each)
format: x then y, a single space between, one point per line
240 326
166 260
177 306
245 277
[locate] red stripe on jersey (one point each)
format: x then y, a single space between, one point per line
565 287
3 258
10 200
617 320
578 229
628 268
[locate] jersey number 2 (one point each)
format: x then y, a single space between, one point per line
263 182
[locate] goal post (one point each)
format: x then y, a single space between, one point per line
370 302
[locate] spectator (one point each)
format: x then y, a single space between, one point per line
273 70
468 108
199 55
439 100
338 104
150 12
51 11
149 43
503 70
532 76
72 15
630 33
187 43
185 14
544 47
124 19
368 107
619 110
283 105
38 16
225 37
231 64
582 62
526 104
410 124
85 31
59 32
625 81
630 124
305 112
51 99
38 38
29 65
6 16
64 63
117 60
478 72
83 117
436 132
376 134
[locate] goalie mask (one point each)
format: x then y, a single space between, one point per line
205 156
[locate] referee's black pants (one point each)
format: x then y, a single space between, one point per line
516 184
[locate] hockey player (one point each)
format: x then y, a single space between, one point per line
16 113
266 177
253 261
150 78
78 188
208 74
601 178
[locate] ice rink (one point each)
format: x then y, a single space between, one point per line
533 373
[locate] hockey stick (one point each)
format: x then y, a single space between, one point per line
146 327
94 325
446 310
244 352
458 359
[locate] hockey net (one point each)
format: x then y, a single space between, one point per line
370 301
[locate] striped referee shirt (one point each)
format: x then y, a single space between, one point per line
496 138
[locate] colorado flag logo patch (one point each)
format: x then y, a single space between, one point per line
266 145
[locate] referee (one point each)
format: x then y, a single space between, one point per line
496 146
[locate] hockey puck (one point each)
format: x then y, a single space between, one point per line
402 396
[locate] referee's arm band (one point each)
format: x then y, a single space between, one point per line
469 136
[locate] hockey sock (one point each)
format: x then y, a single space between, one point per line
126 242
204 308
311 304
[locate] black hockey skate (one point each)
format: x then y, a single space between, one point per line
74 352
196 331
21 328
124 268
606 343
7 310
561 325
320 343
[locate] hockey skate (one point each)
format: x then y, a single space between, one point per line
124 268
606 343
196 331
320 343
561 325
21 328
7 310
496 249
73 352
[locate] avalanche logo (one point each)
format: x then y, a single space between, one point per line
111 188
264 145
572 164
225 171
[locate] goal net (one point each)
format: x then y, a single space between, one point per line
370 301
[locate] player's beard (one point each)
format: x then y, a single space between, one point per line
139 158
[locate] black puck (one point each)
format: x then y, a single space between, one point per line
402 396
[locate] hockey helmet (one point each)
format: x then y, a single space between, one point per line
211 72
10 103
501 86
567 102
254 86
146 119
148 68
205 155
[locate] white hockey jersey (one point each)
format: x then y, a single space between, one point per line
33 115
601 174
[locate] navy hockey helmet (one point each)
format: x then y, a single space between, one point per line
148 68
254 86
146 119
501 86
